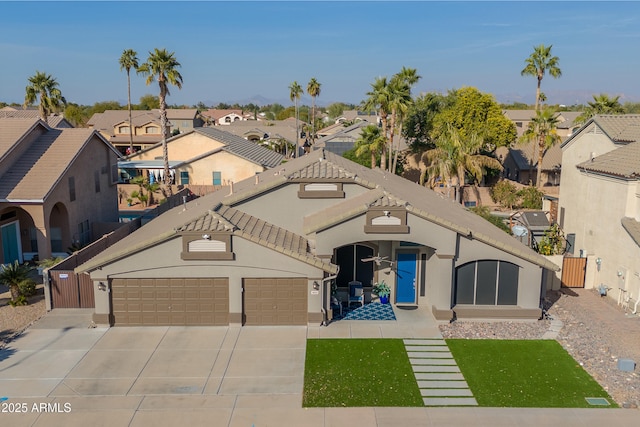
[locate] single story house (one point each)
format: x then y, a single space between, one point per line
271 250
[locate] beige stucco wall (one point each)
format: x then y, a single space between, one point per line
530 278
182 148
593 208
232 168
282 207
252 261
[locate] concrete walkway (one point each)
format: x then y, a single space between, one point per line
61 375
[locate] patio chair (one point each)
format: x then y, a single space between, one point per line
356 293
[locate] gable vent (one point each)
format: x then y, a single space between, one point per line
207 246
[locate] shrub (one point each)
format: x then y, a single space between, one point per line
27 288
531 198
483 211
21 300
505 194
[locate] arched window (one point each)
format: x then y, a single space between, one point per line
487 282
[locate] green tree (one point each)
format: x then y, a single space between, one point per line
15 276
336 109
483 211
163 67
313 89
505 194
378 99
473 112
101 107
399 102
129 60
543 131
295 92
601 104
76 114
538 63
43 87
530 198
148 102
455 156
418 125
370 142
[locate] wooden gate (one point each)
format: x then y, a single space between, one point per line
573 272
71 290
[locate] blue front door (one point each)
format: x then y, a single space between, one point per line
10 244
406 278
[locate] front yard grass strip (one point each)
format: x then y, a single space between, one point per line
358 372
524 373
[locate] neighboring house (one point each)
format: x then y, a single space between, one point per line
271 133
204 156
267 250
220 117
114 126
56 185
55 120
600 201
353 116
183 120
520 161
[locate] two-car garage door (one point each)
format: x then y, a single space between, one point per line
168 302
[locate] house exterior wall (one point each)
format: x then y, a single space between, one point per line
251 261
232 168
591 207
286 210
88 205
182 148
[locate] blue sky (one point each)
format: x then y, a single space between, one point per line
233 51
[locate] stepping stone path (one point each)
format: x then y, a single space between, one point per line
437 374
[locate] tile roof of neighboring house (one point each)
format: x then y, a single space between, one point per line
12 131
241 147
522 154
632 226
519 115
567 119
37 171
182 113
105 122
361 115
216 114
54 120
621 162
418 200
331 129
619 128
274 129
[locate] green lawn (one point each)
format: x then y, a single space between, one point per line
358 372
531 373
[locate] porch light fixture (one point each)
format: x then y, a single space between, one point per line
206 237
316 286
102 286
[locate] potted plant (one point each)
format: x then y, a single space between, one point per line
382 290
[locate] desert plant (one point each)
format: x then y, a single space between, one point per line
13 275
21 300
27 288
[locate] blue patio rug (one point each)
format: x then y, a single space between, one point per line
373 311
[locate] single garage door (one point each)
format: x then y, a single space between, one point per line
275 301
169 302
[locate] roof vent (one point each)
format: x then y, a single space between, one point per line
593 155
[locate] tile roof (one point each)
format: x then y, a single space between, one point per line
243 148
523 153
216 113
619 128
11 131
37 171
182 113
106 121
632 227
418 200
621 162
54 120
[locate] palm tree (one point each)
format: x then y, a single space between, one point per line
378 100
14 275
371 141
538 63
543 130
455 157
162 65
601 104
45 87
129 60
400 100
313 89
295 91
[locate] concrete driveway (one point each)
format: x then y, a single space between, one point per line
60 372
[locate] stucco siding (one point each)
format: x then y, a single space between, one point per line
183 148
530 275
232 168
282 207
252 261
